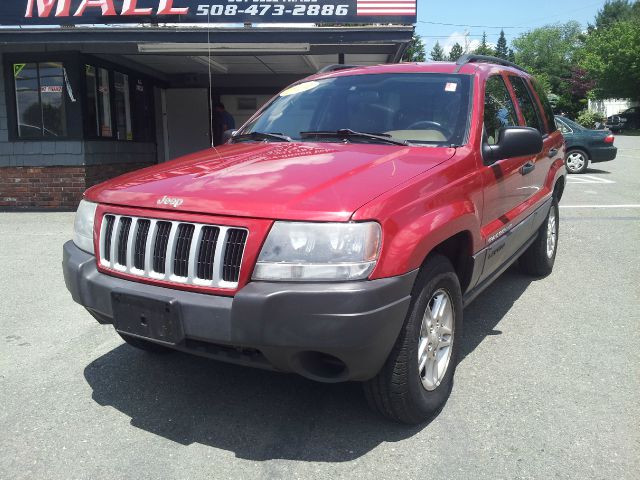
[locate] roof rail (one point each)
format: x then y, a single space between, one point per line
473 58
336 67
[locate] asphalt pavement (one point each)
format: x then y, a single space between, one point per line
547 386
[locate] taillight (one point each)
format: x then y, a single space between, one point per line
609 139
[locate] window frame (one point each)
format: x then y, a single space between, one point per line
536 109
76 112
133 77
539 101
510 93
72 109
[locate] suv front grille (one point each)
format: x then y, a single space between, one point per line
182 252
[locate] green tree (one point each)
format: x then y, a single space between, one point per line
611 12
549 53
511 56
456 52
415 51
551 49
611 56
484 48
501 47
437 53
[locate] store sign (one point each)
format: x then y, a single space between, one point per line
64 12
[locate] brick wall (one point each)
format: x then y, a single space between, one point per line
54 187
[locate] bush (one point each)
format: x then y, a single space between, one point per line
589 119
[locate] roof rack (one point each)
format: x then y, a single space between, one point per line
336 67
472 58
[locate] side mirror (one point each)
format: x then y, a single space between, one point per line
513 142
227 134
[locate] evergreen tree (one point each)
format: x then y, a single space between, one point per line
456 52
484 48
511 56
501 47
415 50
437 53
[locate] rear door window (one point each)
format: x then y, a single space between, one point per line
499 111
525 102
546 106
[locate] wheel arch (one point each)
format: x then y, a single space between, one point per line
458 249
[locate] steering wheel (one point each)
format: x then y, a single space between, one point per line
421 124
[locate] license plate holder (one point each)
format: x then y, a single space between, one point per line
155 318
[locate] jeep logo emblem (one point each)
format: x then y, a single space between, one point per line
174 202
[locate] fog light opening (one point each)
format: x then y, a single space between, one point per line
321 366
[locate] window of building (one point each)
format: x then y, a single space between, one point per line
124 130
527 107
143 117
130 99
499 111
40 99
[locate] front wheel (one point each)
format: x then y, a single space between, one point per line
416 380
539 258
576 161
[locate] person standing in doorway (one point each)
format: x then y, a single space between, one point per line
224 119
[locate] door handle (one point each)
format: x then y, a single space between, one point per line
527 168
552 153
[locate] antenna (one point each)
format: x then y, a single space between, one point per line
210 83
210 79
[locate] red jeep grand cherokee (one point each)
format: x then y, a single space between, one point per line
339 233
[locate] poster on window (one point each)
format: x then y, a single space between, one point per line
60 12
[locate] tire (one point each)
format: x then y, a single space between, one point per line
145 345
539 258
399 392
576 161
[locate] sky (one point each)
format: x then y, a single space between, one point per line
515 16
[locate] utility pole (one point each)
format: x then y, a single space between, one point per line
466 41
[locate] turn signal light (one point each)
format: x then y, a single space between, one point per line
609 139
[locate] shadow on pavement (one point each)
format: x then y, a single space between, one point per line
262 415
258 415
596 170
486 311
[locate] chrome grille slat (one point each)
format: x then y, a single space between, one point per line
115 231
174 251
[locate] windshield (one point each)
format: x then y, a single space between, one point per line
423 108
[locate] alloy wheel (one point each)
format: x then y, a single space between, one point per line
436 340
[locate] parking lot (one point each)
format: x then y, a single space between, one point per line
547 386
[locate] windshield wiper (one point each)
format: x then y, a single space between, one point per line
347 133
278 137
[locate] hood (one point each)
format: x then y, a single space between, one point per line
293 181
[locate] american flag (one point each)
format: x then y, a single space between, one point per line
386 7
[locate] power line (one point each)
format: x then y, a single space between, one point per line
461 25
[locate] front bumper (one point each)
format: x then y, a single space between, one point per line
325 331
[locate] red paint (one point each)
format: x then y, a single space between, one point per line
130 7
166 8
105 5
421 196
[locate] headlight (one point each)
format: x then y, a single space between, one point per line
83 226
297 251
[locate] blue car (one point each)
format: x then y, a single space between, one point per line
584 145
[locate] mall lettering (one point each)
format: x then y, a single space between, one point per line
129 7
